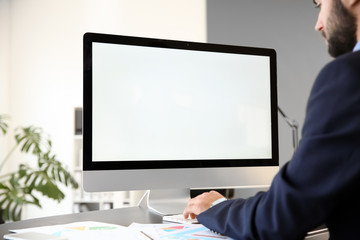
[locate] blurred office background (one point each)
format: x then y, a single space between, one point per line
41 57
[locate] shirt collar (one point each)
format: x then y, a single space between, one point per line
357 47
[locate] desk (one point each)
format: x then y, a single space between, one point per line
121 216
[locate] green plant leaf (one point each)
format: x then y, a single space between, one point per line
56 171
51 190
22 171
18 189
13 196
31 140
3 124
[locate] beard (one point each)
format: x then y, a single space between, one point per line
341 31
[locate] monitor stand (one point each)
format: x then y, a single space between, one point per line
165 201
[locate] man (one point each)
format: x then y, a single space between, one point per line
321 183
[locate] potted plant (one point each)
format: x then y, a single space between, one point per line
44 175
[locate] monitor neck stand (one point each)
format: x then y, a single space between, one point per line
165 201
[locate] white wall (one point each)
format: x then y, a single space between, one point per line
4 54
45 77
4 67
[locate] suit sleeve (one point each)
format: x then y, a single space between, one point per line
321 173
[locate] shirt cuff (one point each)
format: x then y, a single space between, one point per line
220 200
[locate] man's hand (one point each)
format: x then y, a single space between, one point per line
201 203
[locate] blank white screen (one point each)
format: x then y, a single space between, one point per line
168 104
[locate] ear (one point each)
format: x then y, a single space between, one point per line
350 3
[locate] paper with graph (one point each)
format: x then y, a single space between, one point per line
178 232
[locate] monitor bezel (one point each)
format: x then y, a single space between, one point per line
89 165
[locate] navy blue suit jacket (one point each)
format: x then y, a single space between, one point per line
321 184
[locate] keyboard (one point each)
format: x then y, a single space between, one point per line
179 218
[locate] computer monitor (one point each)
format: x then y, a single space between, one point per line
165 114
